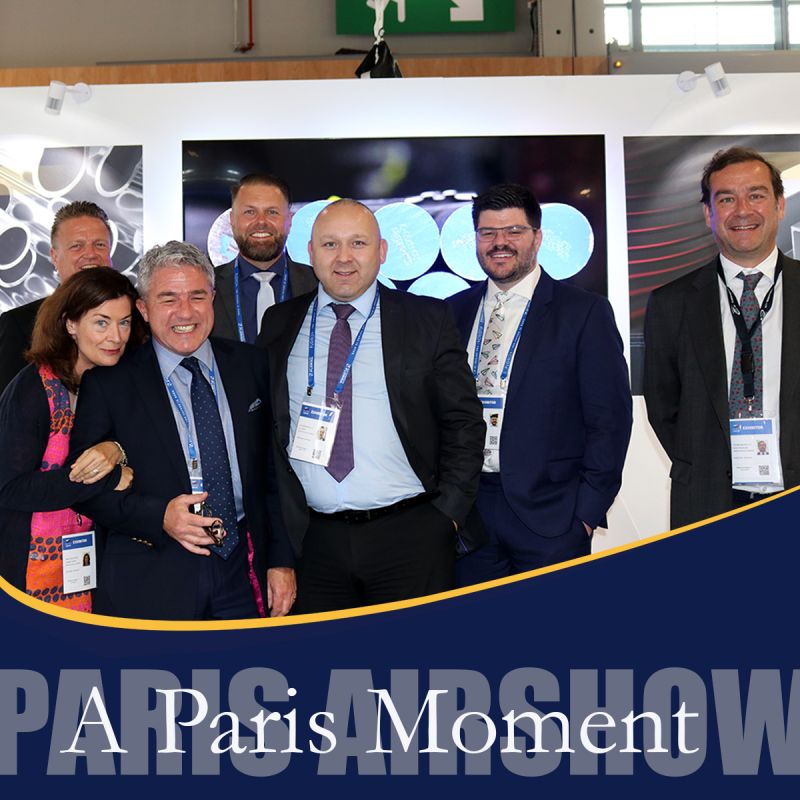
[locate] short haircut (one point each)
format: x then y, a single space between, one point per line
80 208
736 155
79 294
172 254
263 179
508 195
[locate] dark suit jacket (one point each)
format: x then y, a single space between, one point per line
24 487
129 403
16 329
568 410
686 389
431 392
301 280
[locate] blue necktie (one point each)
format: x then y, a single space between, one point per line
217 479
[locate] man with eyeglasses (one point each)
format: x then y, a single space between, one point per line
548 363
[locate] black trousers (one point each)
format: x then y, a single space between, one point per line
406 554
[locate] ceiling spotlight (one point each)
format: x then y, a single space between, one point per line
57 90
716 77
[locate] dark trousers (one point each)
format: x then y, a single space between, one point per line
224 586
406 554
513 547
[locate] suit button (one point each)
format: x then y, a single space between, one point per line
729 474
290 470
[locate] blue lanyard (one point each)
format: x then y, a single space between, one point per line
185 417
348 364
511 350
284 290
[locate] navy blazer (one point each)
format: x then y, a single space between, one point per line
301 280
145 573
568 413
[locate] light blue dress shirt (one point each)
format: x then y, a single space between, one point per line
169 364
382 475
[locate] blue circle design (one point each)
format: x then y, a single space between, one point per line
438 284
458 244
413 238
300 233
567 240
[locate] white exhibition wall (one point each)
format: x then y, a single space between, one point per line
160 117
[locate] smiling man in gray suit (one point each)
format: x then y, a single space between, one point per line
721 361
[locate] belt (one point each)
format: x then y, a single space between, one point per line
354 516
742 498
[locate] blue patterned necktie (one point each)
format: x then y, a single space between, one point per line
750 311
217 479
341 462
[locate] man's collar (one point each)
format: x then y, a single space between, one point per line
767 266
168 360
248 268
524 288
362 304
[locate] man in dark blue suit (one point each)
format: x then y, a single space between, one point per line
549 368
193 416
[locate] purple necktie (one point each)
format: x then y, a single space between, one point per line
750 310
341 462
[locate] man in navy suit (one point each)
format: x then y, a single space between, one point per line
193 416
549 369
262 274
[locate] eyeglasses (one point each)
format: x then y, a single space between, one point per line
510 232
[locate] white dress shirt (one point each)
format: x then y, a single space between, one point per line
518 297
772 327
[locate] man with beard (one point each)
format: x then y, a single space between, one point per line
262 274
548 362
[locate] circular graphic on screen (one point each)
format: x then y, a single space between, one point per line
386 281
413 238
458 244
300 234
220 243
567 240
438 284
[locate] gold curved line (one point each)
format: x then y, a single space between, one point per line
100 620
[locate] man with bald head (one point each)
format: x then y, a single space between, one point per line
376 503
80 238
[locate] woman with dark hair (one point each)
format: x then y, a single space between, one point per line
86 322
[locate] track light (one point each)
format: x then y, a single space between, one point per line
57 90
716 77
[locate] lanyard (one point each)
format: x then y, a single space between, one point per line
746 334
185 417
511 350
348 364
284 290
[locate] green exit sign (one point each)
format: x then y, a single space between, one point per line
426 16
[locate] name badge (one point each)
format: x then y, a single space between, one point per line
79 562
315 434
754 451
493 417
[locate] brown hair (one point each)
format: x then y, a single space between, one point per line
79 294
79 208
262 179
736 155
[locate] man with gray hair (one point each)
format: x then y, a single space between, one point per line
79 239
199 531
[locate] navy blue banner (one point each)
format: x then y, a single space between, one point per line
661 670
